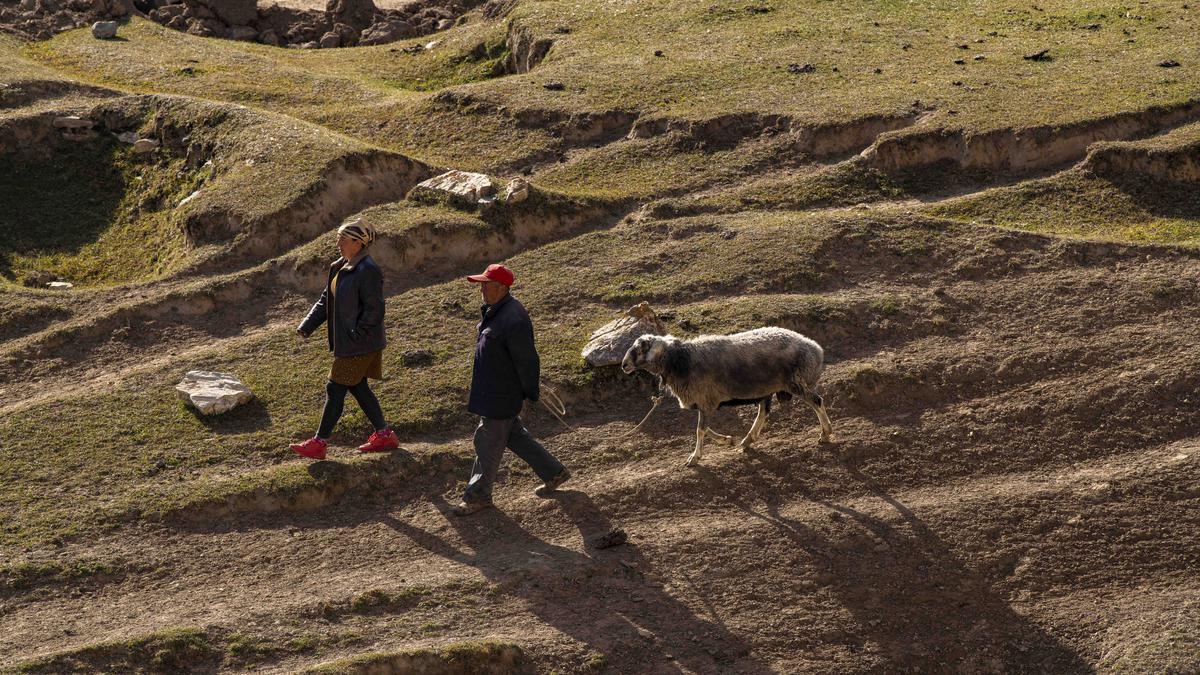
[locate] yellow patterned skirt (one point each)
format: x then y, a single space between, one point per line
350 370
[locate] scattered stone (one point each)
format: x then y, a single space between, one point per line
104 30
188 198
243 33
38 278
614 537
72 122
608 343
796 68
554 85
879 71
127 137
145 145
60 285
1040 55
417 358
658 52
212 393
1169 63
516 192
458 186
980 57
331 40
960 62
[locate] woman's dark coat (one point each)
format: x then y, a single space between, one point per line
356 320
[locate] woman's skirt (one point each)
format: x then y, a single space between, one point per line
350 370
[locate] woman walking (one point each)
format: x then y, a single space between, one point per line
353 305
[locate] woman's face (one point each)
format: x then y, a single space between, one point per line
348 246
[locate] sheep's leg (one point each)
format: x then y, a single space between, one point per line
728 439
760 421
817 403
701 425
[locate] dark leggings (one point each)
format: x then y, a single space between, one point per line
335 400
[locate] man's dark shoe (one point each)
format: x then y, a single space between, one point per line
466 508
551 485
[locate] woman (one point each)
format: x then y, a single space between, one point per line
353 305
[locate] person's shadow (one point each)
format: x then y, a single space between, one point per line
602 598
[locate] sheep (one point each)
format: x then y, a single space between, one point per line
709 371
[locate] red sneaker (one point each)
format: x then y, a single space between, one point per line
313 448
380 441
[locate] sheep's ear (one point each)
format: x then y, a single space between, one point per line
656 352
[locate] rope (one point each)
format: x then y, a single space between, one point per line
551 401
657 399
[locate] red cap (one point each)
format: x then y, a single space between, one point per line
498 273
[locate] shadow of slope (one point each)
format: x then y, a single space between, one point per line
598 598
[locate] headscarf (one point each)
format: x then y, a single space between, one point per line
359 231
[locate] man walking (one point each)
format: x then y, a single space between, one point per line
505 375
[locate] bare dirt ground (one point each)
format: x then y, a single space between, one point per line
1013 491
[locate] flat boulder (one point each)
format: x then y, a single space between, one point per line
609 343
456 186
104 30
212 393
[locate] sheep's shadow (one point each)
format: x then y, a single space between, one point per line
912 598
599 598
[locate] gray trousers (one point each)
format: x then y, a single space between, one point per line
491 437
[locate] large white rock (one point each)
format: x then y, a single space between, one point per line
610 342
212 393
461 186
104 30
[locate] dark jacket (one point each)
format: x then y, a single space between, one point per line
506 368
355 314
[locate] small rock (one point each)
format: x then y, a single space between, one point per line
658 52
60 285
331 40
243 33
516 192
212 393
960 62
1040 55
879 71
128 137
72 122
269 37
796 68
444 24
38 279
1169 63
188 198
614 537
104 30
980 57
145 145
554 85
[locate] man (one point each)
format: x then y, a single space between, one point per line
505 375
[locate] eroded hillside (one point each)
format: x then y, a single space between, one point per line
987 215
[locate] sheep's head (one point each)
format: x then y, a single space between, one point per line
646 353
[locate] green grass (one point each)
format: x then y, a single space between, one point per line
718 58
1074 204
167 651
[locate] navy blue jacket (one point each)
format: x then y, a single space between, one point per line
507 368
356 320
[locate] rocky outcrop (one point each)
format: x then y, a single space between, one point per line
609 342
459 187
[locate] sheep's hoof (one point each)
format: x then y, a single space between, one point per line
742 448
731 441
825 438
692 461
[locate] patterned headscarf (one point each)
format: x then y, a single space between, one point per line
359 231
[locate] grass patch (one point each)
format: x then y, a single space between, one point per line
169 651
471 657
1074 204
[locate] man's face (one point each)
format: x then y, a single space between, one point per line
492 291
